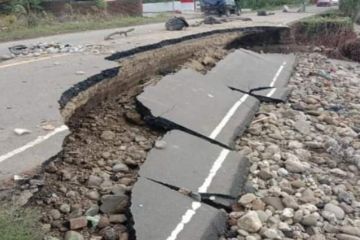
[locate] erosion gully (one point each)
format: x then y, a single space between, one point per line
109 139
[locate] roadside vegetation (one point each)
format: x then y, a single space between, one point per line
20 19
19 224
13 27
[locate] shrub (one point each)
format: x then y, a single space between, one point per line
351 8
101 4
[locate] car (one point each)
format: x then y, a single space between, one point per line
324 3
219 7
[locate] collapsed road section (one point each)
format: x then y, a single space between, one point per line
99 186
202 106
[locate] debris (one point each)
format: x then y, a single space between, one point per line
48 127
213 20
94 220
18 49
121 33
80 73
286 8
160 144
264 13
6 57
21 131
176 24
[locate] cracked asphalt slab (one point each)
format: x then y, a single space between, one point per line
199 103
172 210
204 107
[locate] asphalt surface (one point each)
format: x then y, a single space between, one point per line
30 87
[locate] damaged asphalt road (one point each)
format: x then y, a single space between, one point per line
206 117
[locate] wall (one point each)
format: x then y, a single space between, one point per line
116 7
168 6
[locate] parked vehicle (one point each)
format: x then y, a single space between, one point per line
219 7
325 3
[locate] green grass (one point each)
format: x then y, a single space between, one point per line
46 27
19 224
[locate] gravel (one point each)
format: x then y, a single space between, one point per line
304 155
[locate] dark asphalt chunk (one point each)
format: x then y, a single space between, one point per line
188 161
158 212
247 70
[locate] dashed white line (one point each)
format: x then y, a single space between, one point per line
31 61
186 218
277 74
33 143
227 117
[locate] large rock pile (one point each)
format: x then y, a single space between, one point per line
304 181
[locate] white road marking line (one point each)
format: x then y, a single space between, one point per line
271 92
31 61
33 143
277 74
227 117
186 218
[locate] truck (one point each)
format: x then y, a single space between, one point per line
219 7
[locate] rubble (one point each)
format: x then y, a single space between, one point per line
303 154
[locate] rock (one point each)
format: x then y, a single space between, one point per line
308 196
24 198
310 219
297 184
295 166
287 213
250 222
55 214
65 208
78 223
112 204
109 233
103 222
329 228
346 237
271 233
257 204
275 202
265 175
107 135
355 231
339 213
290 202
117 218
339 172
209 61
346 197
94 181
120 167
302 126
329 216
72 235
246 199
160 144
92 211
93 195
